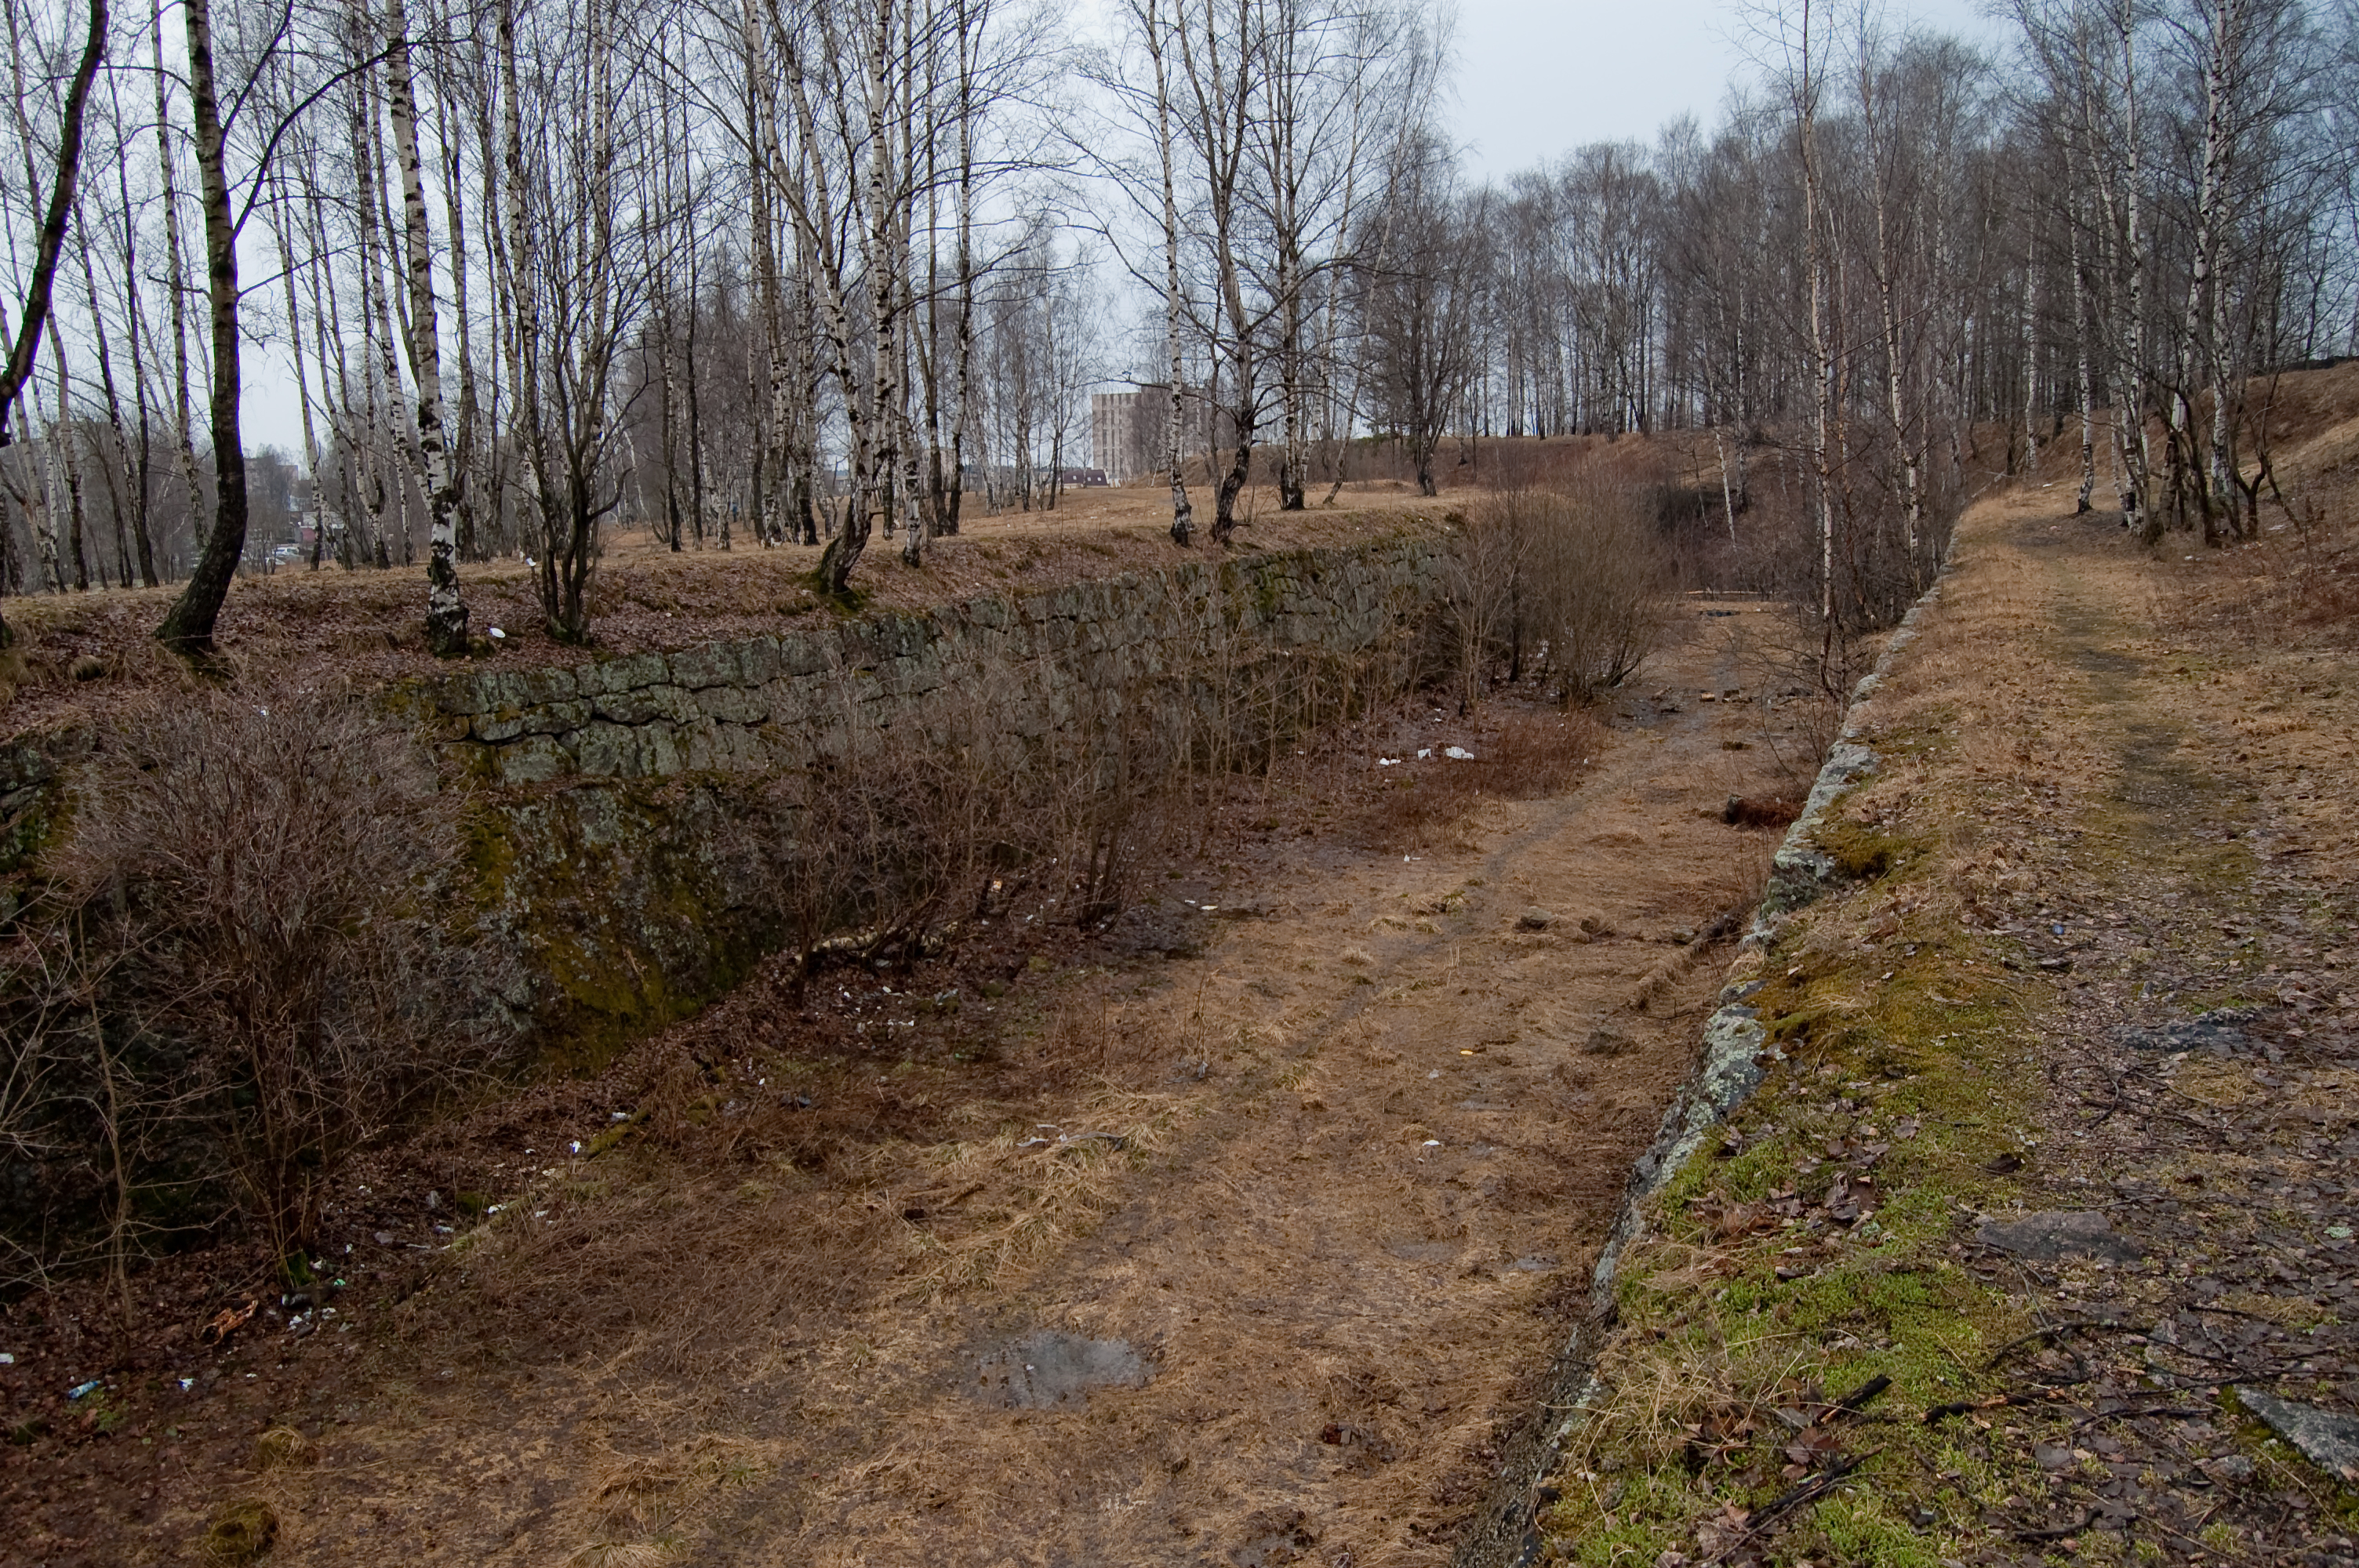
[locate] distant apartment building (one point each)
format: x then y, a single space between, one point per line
1127 429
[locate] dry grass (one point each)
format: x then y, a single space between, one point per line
1426 801
367 626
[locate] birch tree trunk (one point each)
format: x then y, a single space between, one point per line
2080 370
124 533
2137 449
446 612
135 314
67 444
188 627
1183 515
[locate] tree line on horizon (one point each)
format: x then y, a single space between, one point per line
771 272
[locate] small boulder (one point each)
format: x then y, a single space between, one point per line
2328 1439
1535 920
2044 1236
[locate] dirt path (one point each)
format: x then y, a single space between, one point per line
1341 1268
1256 1266
2057 1159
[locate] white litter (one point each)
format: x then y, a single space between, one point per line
497 633
1424 751
1391 762
1459 754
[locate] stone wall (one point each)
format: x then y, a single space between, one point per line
602 796
769 702
597 838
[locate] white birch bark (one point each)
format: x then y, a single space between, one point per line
446 610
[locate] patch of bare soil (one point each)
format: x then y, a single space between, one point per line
1237 1233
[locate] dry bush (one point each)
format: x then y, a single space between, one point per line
1573 586
252 875
1004 786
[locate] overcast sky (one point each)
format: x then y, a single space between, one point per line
1537 77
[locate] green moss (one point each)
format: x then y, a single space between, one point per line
487 846
1933 1059
1864 854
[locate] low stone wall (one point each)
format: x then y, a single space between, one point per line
603 795
769 702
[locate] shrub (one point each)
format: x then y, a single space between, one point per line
1574 585
249 883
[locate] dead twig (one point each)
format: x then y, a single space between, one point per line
1851 1402
2050 1330
1810 1491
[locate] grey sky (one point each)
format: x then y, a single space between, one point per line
1537 77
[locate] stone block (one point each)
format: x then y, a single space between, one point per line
733 704
803 655
534 758
645 705
609 676
661 749
715 664
603 750
757 661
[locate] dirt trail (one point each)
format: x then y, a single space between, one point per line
2055 1156
1341 1271
1350 1188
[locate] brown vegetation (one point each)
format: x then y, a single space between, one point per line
235 969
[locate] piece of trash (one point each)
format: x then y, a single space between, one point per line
575 1146
187 1383
1424 751
618 1116
1206 908
497 633
1435 1074
7 1359
1390 762
79 1389
1432 1143
1459 754
229 1319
